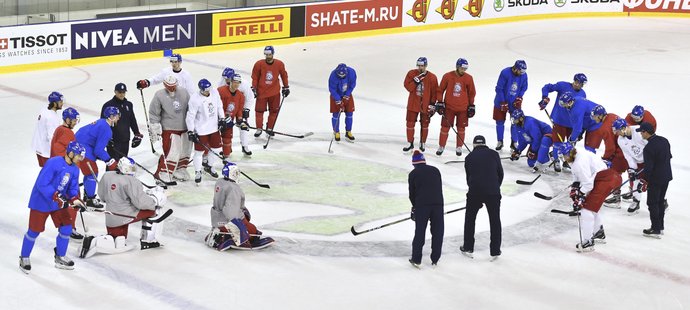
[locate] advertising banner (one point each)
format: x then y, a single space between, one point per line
665 6
34 43
353 16
429 12
245 26
132 35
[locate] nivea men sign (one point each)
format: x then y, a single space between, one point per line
132 35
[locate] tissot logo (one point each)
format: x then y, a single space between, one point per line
419 11
32 41
250 25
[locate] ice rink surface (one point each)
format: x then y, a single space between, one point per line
316 197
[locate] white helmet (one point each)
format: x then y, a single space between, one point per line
231 172
127 166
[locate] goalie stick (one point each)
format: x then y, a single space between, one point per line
158 219
171 183
146 114
355 233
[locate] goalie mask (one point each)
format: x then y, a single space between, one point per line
126 166
231 172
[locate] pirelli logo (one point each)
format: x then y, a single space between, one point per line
247 26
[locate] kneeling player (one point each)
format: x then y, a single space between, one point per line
230 218
536 135
126 203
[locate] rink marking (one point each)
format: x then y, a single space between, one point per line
630 265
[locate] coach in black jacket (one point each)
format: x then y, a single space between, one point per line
484 177
128 120
657 173
426 196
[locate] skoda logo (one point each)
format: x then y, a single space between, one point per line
498 5
560 3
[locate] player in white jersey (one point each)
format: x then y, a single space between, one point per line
204 116
48 121
184 79
632 144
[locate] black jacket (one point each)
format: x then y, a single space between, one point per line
484 171
657 160
127 120
425 186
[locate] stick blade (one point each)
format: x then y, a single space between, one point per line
542 196
352 230
521 182
307 134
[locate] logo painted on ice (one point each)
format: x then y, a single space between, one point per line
447 9
474 7
498 5
420 10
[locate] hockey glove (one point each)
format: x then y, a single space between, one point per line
245 114
514 156
517 104
60 199
431 109
256 94
136 140
642 186
339 105
412 214
193 136
155 132
441 108
286 91
470 111
632 174
111 165
346 97
543 103
504 106
76 203
531 154
141 84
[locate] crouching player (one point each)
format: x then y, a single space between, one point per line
230 218
126 203
536 136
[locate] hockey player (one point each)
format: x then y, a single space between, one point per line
632 144
534 135
511 86
266 89
184 79
341 83
639 115
58 147
203 119
168 112
458 87
48 120
233 104
248 104
422 85
426 196
55 191
580 114
604 133
592 182
230 219
559 115
95 137
127 202
128 121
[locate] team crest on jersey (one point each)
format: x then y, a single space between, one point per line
217 189
231 108
63 182
420 89
113 187
344 87
636 150
513 88
211 109
527 137
457 89
177 106
269 77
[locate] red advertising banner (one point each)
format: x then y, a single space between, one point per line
353 16
665 6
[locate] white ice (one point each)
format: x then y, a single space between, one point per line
628 61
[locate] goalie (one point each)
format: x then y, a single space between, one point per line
126 202
230 218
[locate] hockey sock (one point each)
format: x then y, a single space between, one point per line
28 244
460 137
425 129
212 160
443 136
335 122
62 239
499 130
348 121
272 116
410 131
197 160
259 119
90 185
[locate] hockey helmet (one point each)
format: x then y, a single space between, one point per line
521 66
637 112
204 85
462 62
422 61
175 57
228 73
70 113
580 78
565 148
341 70
127 166
565 99
269 50
619 124
231 172
598 110
516 115
110 111
55 97
76 148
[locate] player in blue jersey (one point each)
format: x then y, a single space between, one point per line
511 86
579 111
95 138
56 189
341 83
534 135
559 115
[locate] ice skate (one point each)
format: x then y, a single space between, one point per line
62 262
145 245
499 146
599 236
93 204
556 163
409 147
349 135
208 169
197 178
458 151
25 264
416 265
587 246
336 136
258 132
467 253
627 196
634 207
651 233
422 147
513 146
269 132
440 150
246 151
76 236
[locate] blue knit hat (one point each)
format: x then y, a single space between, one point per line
418 158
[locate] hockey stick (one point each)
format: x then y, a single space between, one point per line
462 161
521 182
330 151
302 136
542 196
277 114
456 132
146 114
569 213
158 219
166 184
355 233
225 161
82 221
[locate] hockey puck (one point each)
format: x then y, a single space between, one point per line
304 49
101 89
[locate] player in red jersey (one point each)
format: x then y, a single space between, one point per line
422 86
459 89
267 90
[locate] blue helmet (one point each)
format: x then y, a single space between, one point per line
462 62
55 97
521 65
231 171
110 111
175 57
598 110
341 70
565 98
517 114
564 148
76 148
228 73
581 78
70 113
269 50
422 61
619 124
204 84
638 111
